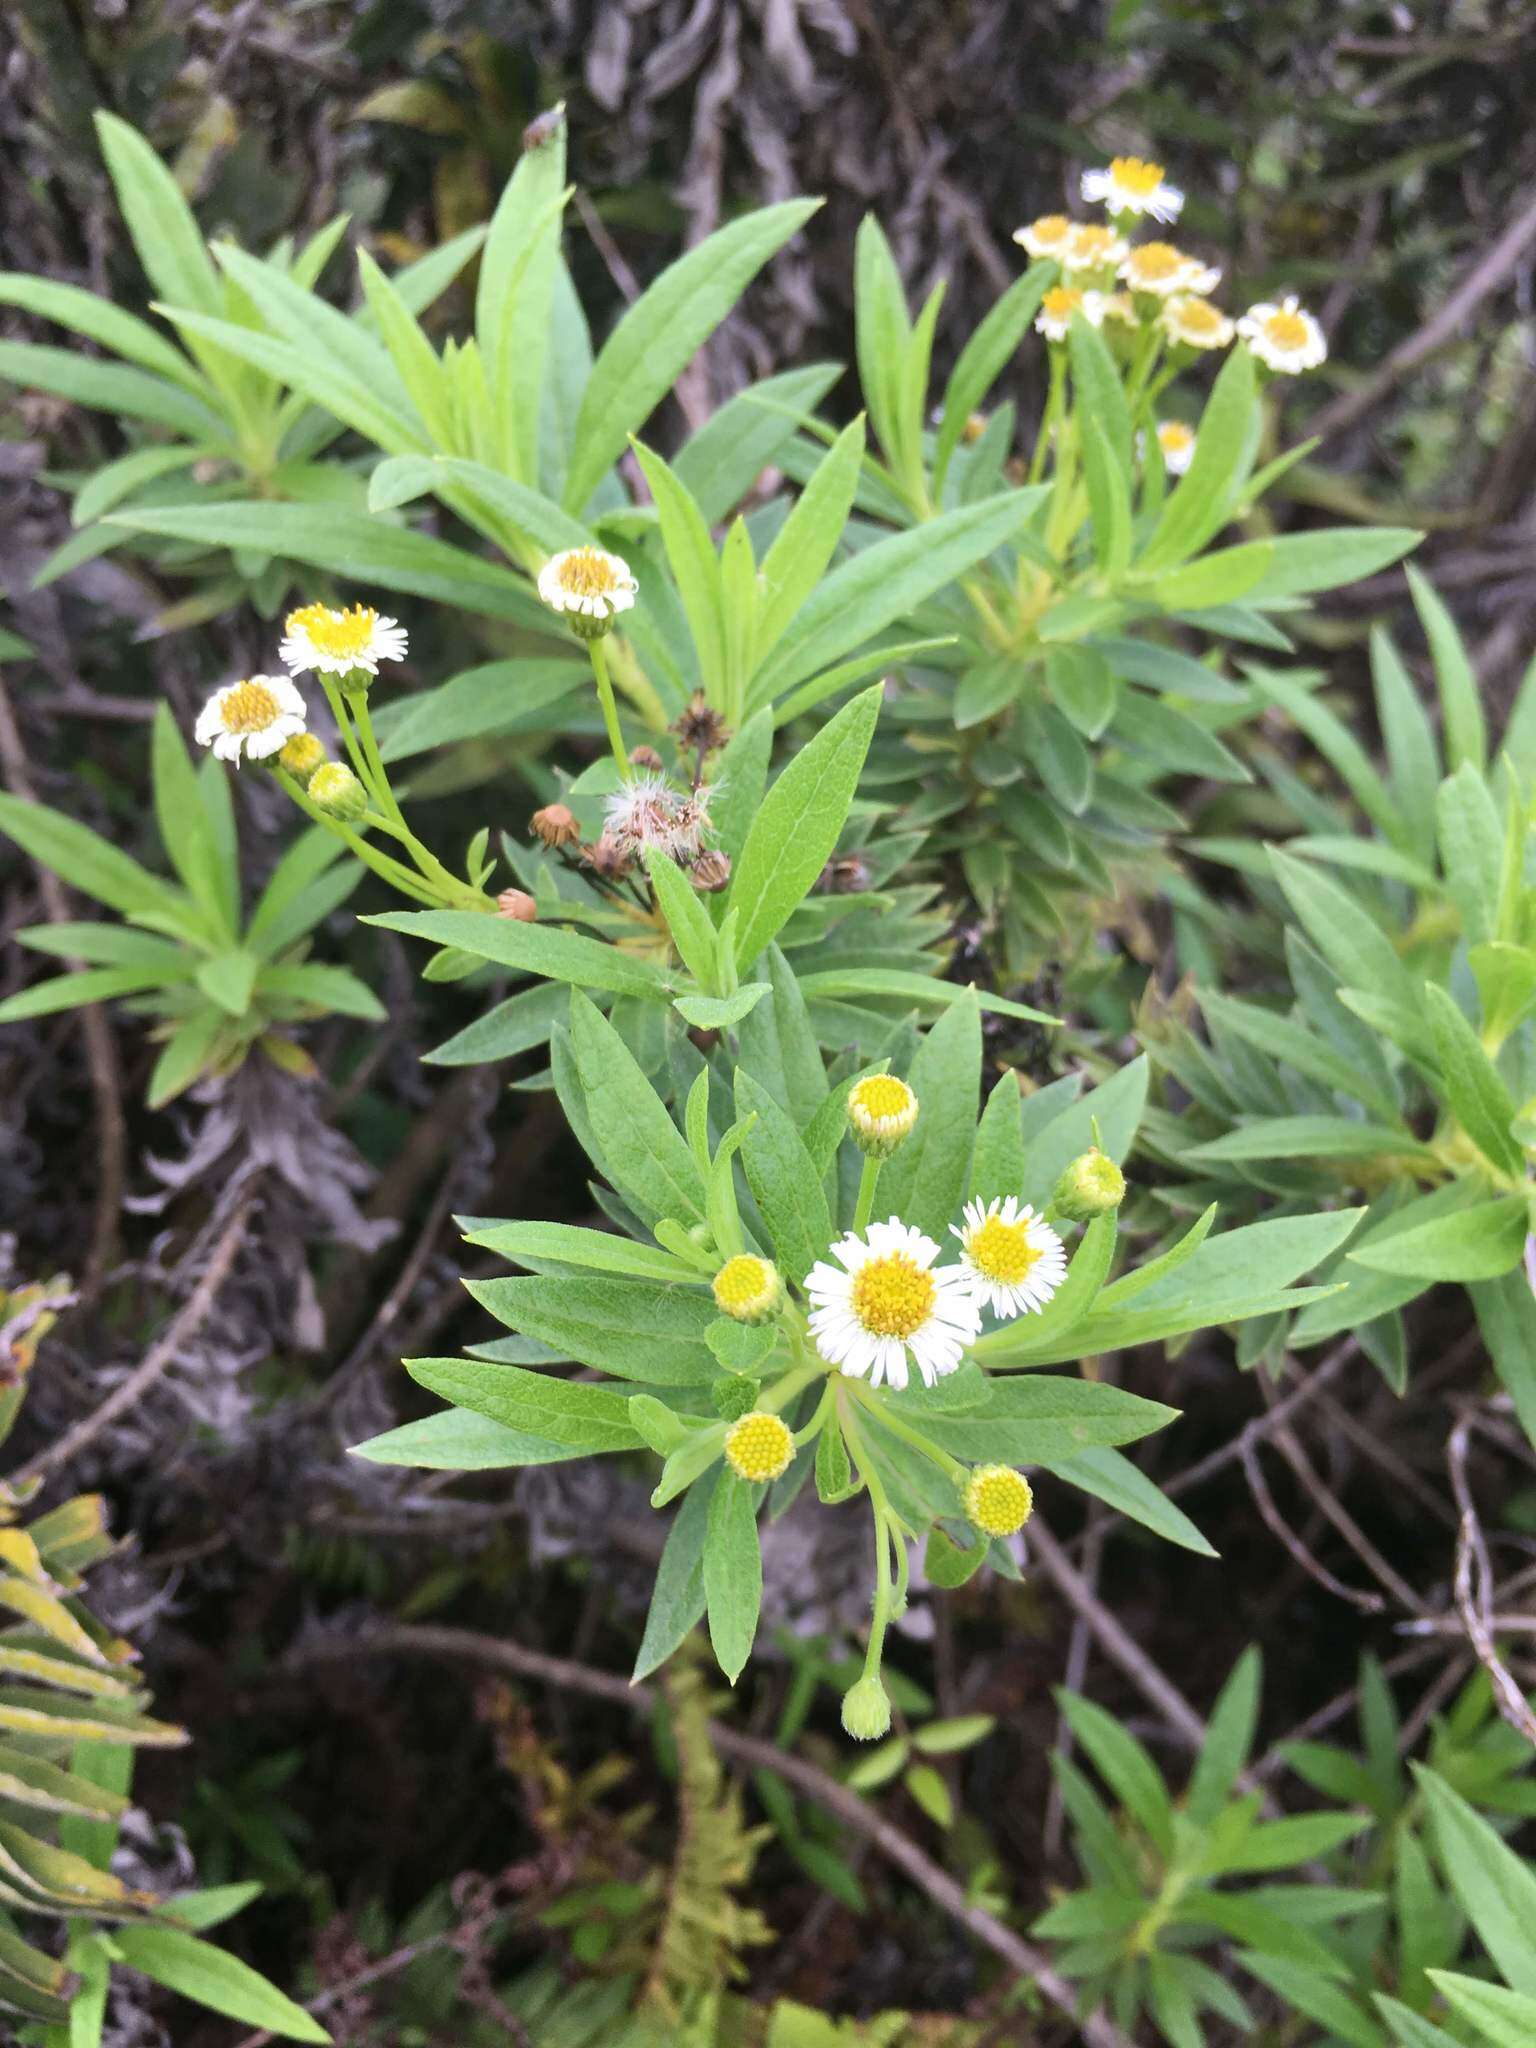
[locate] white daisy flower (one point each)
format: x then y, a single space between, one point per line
885 1298
1285 337
1133 186
1178 445
1013 1260
256 717
1093 248
587 582
1195 322
1161 270
1059 304
1047 236
337 642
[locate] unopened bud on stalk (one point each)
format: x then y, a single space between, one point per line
881 1113
711 872
302 755
646 758
1091 1186
556 825
337 792
518 905
866 1710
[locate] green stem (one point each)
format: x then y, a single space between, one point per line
1049 416
370 746
894 1423
349 740
868 1176
610 709
887 1528
823 1408
395 872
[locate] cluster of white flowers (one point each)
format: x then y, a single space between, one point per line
885 1298
1162 284
258 716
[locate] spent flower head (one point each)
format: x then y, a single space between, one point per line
747 1288
1014 1261
1285 337
759 1446
518 906
555 825
256 717
589 586
998 1500
881 1113
1132 185
885 1300
339 643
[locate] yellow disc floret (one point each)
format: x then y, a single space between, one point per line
1003 1251
759 1446
249 707
893 1296
343 635
881 1111
998 1500
747 1288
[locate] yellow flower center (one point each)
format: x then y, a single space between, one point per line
588 572
998 1500
893 1296
1157 261
1051 227
248 707
336 633
1196 317
881 1095
1002 1251
744 1285
1174 437
1094 243
1061 301
1287 330
759 1446
1132 174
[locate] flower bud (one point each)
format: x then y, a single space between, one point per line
337 791
302 755
1091 1186
711 871
518 905
646 759
998 1500
881 1113
747 1288
866 1710
759 1447
556 825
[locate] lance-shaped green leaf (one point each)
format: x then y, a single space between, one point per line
663 330
588 1419
1031 1419
1475 1090
211 1977
462 1440
784 1180
635 1329
797 828
1478 1243
547 950
924 1181
733 1573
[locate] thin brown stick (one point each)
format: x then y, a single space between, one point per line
96 1032
161 1354
1362 1599
1290 1449
1114 1640
424 1640
1261 1425
1474 1598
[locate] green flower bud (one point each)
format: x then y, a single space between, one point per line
302 755
866 1710
1091 1186
336 791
